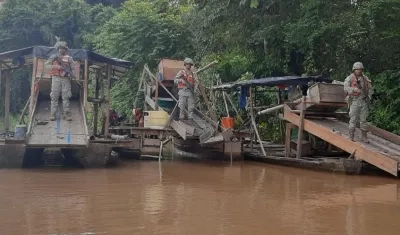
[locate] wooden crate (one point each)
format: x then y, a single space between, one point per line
326 92
168 69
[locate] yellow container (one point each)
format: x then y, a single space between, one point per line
155 119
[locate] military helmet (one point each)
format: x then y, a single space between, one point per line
188 61
62 45
358 65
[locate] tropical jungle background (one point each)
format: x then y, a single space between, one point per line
250 38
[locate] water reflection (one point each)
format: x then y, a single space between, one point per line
196 198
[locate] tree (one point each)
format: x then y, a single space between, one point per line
143 32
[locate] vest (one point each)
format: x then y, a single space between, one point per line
188 77
353 84
58 72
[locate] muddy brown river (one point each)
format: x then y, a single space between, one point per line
196 198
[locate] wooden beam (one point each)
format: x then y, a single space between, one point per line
96 106
7 102
254 122
33 80
384 134
233 106
301 128
85 83
189 128
107 121
152 104
21 118
361 152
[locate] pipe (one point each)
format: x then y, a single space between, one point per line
270 110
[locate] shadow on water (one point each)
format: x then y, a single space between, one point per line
52 157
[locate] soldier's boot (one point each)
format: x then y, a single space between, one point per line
351 133
53 116
68 116
364 137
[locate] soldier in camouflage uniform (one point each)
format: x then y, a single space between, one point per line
60 84
359 90
187 84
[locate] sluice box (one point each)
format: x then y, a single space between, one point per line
327 92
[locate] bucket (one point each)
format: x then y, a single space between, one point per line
20 132
227 122
155 119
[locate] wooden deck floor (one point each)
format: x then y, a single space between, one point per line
45 133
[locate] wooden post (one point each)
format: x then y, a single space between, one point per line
7 103
32 101
233 106
156 95
254 123
301 128
289 127
107 113
226 104
96 105
85 85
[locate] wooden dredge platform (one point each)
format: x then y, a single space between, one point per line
383 151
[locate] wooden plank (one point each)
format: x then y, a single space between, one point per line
213 140
152 104
151 142
212 112
384 134
383 162
7 102
107 122
205 136
179 129
189 128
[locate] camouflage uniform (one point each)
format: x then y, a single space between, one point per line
186 93
60 85
358 102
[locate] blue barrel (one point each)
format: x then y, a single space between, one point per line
20 132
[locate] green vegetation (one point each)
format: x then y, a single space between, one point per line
249 37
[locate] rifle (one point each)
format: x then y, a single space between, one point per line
358 81
67 72
199 71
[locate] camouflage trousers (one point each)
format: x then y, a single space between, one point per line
186 100
60 86
359 112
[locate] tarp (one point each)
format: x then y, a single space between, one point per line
44 52
273 81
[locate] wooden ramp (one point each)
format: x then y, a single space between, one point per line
60 133
383 151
